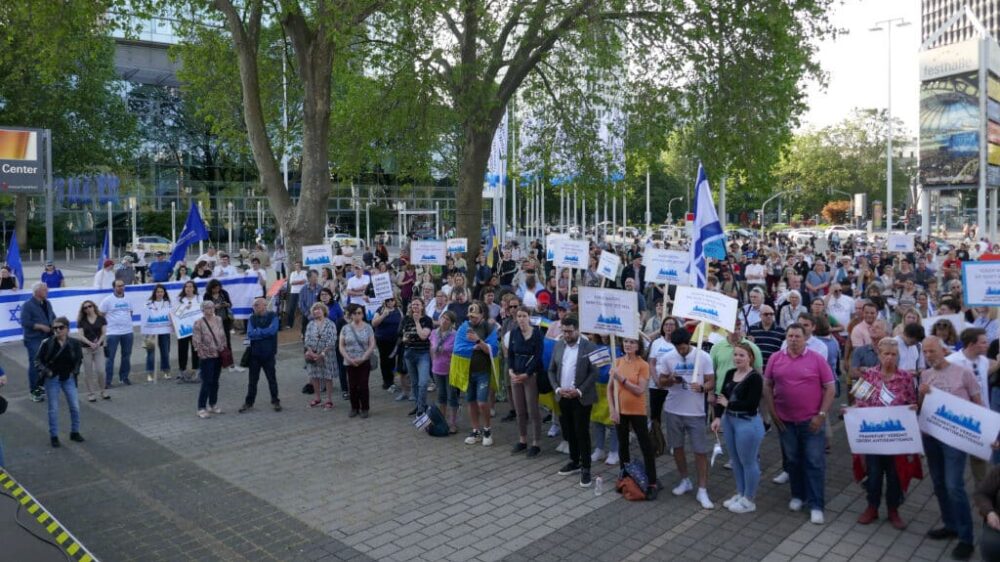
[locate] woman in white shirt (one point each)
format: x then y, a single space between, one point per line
188 304
657 350
156 327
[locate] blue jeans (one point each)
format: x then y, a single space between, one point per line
447 394
947 467
163 343
599 430
32 346
418 366
124 340
805 452
743 437
68 386
479 388
211 368
995 406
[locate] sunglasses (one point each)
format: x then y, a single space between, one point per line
58 327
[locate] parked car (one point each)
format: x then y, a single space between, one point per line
803 235
346 240
844 231
149 245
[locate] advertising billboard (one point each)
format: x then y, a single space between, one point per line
993 128
22 166
949 131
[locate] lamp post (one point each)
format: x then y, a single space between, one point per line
670 216
887 25
768 200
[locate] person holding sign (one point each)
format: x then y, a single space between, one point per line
946 463
884 385
155 329
631 373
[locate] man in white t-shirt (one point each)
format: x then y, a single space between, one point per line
357 286
208 257
296 280
224 269
839 305
105 278
685 409
259 272
118 313
756 273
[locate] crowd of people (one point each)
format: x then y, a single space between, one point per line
817 331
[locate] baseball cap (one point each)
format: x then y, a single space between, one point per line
543 298
49 262
108 262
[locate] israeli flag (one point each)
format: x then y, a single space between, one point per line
194 231
105 250
708 240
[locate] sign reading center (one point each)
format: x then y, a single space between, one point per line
22 160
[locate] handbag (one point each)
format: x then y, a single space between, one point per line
225 354
373 360
149 343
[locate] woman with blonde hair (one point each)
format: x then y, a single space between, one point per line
92 326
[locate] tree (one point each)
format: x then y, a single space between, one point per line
837 212
57 60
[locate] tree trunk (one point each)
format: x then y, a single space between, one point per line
21 221
469 193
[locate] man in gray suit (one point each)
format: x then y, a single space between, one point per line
574 376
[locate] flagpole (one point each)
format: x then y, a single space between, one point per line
111 234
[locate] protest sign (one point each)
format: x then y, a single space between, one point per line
551 243
372 306
428 252
717 309
959 423
573 254
981 283
609 311
184 319
316 256
607 266
382 284
899 243
892 430
666 266
458 245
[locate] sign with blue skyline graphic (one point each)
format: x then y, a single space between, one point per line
610 312
666 266
892 430
428 252
717 309
959 423
981 283
573 254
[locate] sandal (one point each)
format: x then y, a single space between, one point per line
328 405
315 403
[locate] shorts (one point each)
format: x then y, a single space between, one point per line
678 425
479 388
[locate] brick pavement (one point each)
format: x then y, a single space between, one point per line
156 482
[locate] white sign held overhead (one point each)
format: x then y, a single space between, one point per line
572 254
458 245
899 243
981 283
184 318
428 252
609 312
607 266
382 284
551 243
891 430
666 266
317 256
717 309
959 423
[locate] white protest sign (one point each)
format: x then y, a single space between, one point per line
956 320
572 254
382 284
371 307
458 245
184 319
981 283
821 245
899 243
717 309
609 311
316 256
891 430
959 423
551 243
666 266
607 266
428 252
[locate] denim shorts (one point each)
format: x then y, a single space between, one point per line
479 388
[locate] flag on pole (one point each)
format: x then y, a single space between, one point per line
708 240
14 261
491 245
105 251
194 231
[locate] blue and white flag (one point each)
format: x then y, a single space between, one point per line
14 261
496 168
194 231
708 240
105 251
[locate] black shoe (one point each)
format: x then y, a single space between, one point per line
364 414
941 533
75 436
533 452
547 418
127 382
962 551
518 448
651 492
570 468
511 416
585 478
352 414
245 408
55 442
276 405
413 412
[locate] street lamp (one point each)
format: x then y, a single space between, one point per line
768 200
670 216
887 25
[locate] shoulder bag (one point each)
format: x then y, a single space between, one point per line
373 359
225 354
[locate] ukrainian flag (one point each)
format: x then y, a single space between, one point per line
491 245
458 372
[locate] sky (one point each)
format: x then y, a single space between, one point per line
857 64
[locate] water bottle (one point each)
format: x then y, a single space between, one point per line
598 486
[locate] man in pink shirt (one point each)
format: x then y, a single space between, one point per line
861 335
798 391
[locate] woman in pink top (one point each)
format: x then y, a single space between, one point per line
879 386
442 344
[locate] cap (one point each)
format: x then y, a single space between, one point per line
543 298
160 253
49 262
108 262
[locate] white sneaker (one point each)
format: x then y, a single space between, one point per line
816 517
702 498
563 448
203 414
781 478
795 504
728 465
553 430
729 503
744 505
487 438
598 455
215 410
683 487
612 459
